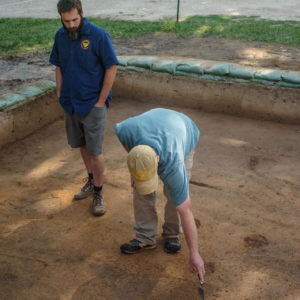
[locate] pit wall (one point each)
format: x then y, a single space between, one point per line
210 86
265 94
24 118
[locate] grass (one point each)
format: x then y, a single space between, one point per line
27 34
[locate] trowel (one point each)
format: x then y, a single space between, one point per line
201 290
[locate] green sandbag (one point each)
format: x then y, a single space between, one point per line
271 75
31 91
219 69
293 77
288 84
262 81
212 77
239 80
10 100
123 61
46 85
240 72
166 66
121 68
192 75
135 69
191 67
142 62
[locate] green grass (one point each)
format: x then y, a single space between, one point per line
26 34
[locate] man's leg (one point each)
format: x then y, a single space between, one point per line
94 126
88 188
94 165
145 224
86 159
97 168
76 139
145 216
172 226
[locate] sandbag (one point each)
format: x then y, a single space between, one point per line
166 66
142 62
271 75
31 91
240 72
293 77
219 69
46 85
195 67
10 99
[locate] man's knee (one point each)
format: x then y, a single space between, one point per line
97 157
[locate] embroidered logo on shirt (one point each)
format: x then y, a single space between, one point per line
85 44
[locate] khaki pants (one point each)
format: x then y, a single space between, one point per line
145 214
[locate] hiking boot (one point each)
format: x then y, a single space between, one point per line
85 191
98 205
135 246
172 245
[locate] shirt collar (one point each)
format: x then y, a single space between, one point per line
86 27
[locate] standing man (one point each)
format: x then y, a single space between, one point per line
161 143
85 63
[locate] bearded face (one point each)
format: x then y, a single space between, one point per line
72 22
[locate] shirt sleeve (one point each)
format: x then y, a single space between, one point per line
54 56
177 183
106 52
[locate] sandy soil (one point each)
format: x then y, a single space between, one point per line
245 193
255 54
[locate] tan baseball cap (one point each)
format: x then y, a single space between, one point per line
142 164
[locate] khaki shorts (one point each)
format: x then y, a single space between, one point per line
87 130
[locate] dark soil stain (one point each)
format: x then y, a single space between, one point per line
255 241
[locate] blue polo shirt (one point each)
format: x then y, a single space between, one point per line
172 135
83 63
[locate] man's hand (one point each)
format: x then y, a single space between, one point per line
190 232
108 81
198 265
99 104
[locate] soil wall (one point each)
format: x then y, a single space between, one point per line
21 120
245 100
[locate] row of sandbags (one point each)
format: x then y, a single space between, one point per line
11 99
201 69
210 70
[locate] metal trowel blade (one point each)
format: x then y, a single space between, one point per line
201 290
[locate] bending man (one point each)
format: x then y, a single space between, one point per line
161 143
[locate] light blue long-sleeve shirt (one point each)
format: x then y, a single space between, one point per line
172 135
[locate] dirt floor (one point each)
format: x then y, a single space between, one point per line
245 192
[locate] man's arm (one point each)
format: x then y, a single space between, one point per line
59 81
190 232
109 78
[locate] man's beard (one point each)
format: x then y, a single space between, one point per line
74 32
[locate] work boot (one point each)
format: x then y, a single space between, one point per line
135 246
172 245
98 204
86 190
